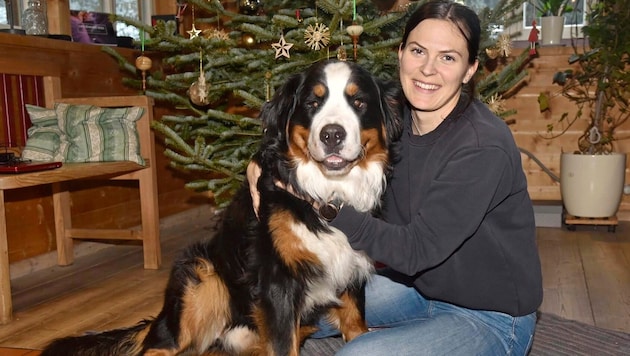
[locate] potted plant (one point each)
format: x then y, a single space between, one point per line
551 13
592 178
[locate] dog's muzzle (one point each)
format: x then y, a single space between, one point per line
333 137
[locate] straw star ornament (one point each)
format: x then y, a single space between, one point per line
282 47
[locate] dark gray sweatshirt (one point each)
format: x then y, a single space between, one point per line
457 216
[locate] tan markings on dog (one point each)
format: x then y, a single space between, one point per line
306 331
372 144
287 244
156 352
298 143
352 89
263 347
295 343
320 90
206 309
350 322
219 353
138 339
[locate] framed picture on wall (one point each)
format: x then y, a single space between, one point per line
92 27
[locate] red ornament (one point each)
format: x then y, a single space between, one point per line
533 38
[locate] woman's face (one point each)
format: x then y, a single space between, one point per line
433 66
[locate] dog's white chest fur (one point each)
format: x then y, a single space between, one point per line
343 265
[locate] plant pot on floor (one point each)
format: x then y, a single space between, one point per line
551 30
592 185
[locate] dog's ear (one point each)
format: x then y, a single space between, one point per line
276 113
275 116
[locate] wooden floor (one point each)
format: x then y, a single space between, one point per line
586 278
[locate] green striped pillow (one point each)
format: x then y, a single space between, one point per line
98 134
45 140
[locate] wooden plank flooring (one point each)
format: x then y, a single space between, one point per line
586 278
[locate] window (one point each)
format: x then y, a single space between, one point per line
5 16
129 8
575 18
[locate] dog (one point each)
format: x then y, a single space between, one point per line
264 281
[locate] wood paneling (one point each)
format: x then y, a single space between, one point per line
58 12
164 7
530 128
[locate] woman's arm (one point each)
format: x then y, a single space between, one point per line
447 214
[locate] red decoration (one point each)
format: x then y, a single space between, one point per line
533 38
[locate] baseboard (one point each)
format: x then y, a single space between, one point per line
48 260
548 215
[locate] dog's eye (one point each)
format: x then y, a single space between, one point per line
313 104
358 103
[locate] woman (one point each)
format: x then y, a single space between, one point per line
458 232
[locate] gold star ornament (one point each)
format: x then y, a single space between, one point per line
194 32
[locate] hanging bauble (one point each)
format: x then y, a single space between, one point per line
317 37
342 55
198 91
144 64
247 40
492 52
249 7
354 31
268 76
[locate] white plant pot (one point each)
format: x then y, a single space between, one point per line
551 30
592 185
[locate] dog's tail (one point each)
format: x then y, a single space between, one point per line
119 342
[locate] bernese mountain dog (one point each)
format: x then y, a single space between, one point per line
263 282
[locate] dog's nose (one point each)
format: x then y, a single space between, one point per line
332 135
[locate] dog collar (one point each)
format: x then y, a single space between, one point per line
330 210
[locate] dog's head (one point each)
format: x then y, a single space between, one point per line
329 133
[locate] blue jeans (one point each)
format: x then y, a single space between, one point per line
402 322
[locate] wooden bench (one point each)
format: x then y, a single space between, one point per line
61 180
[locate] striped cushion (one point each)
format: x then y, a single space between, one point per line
45 141
83 133
98 134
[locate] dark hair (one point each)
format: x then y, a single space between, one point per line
460 15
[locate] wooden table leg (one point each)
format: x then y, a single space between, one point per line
6 305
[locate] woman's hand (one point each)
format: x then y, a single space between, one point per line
253 173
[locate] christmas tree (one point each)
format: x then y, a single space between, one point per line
232 58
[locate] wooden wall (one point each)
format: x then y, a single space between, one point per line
531 125
85 70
